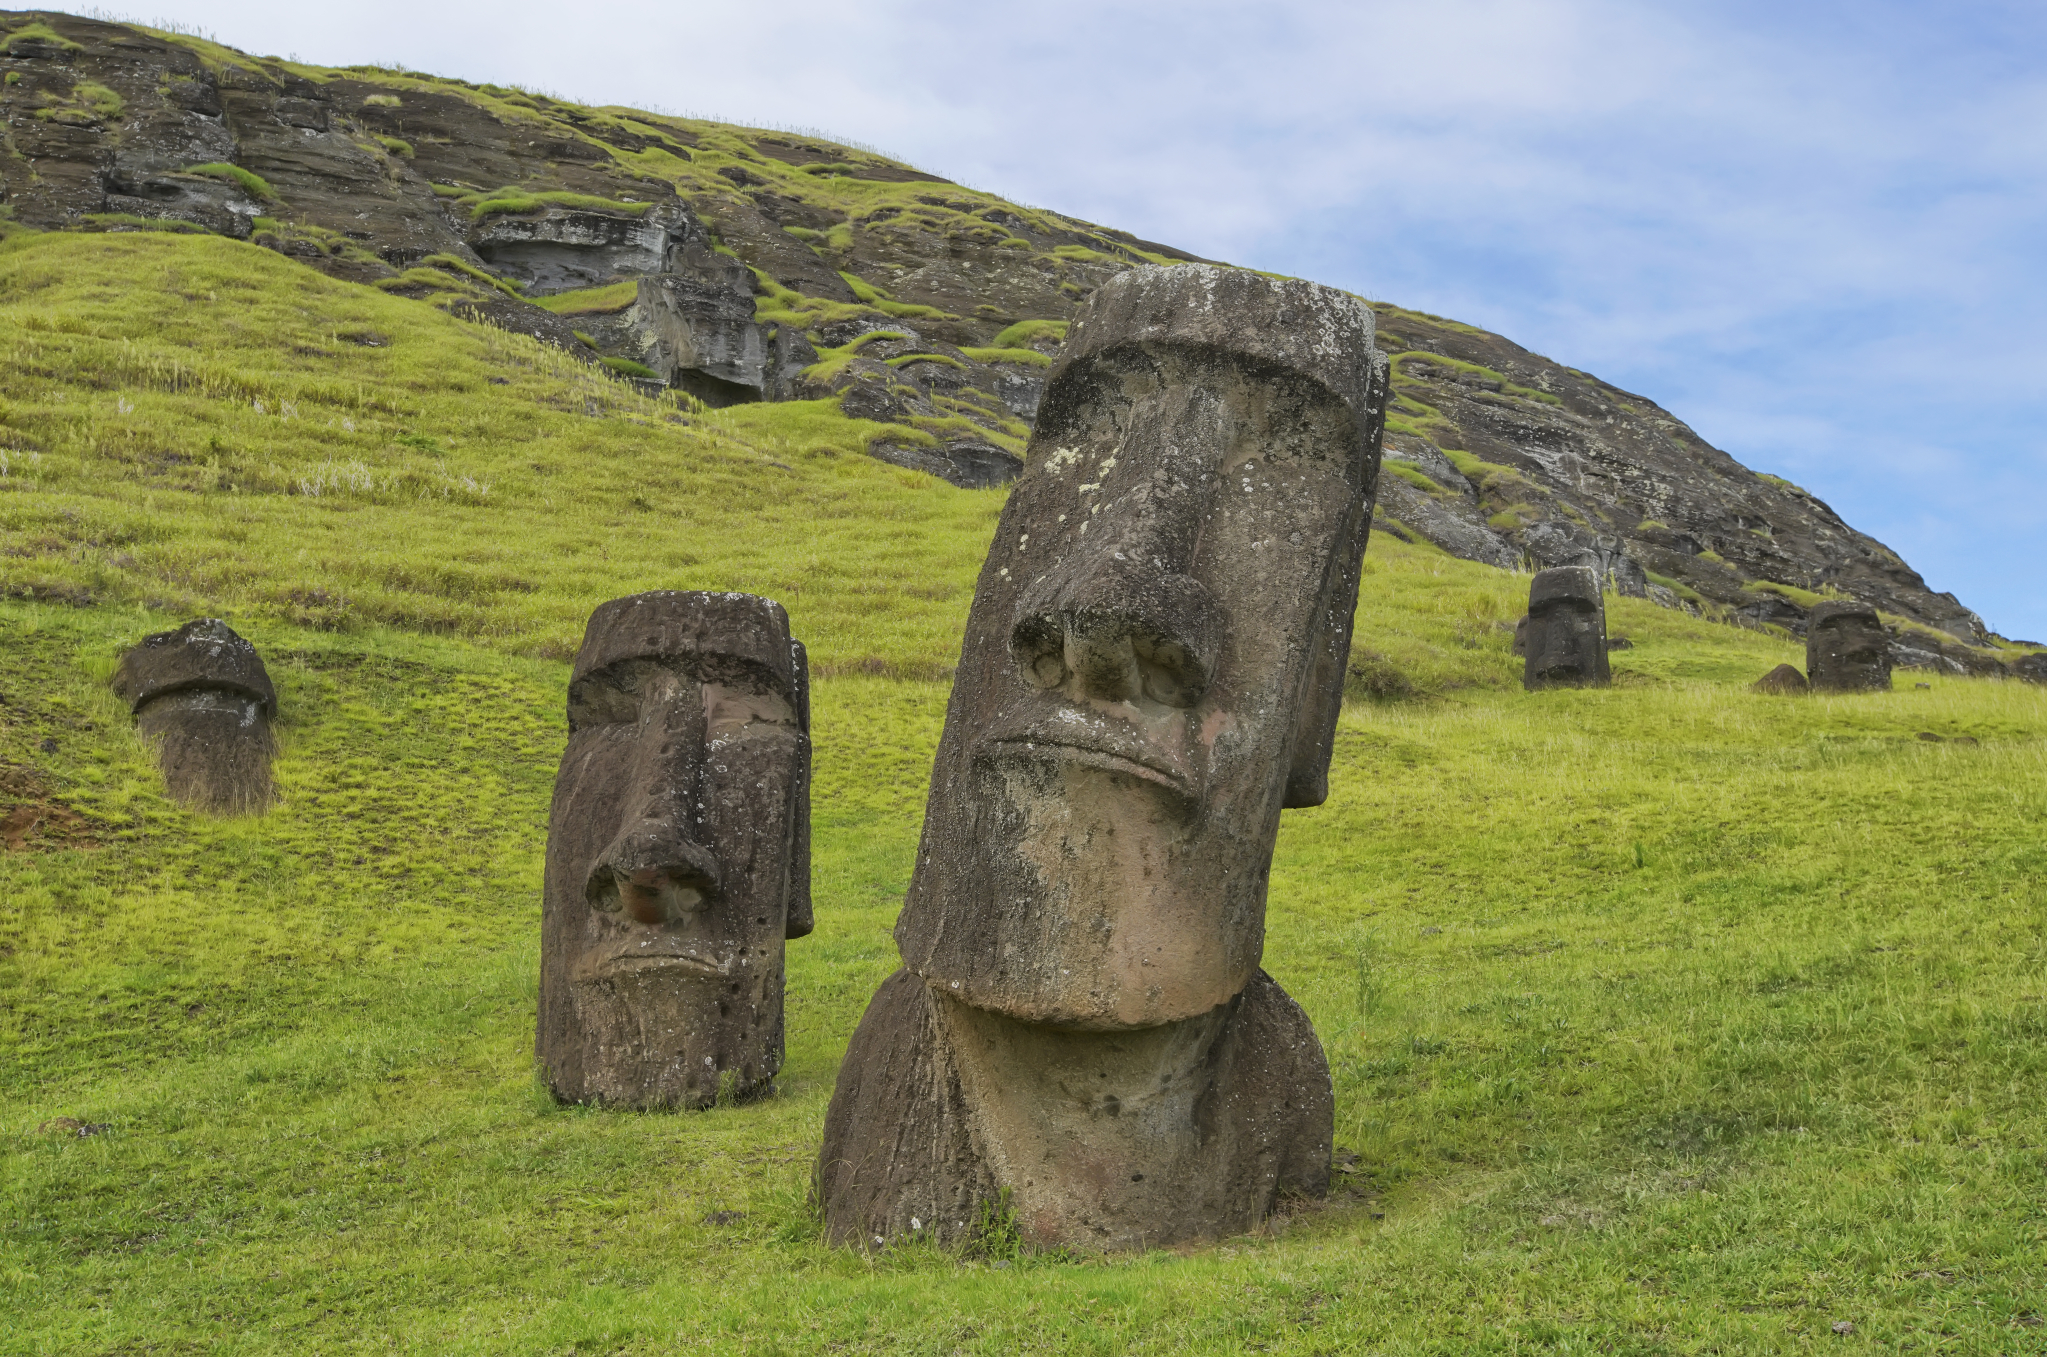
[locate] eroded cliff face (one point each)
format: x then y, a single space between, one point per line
1501 455
740 264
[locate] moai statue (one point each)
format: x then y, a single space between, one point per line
1152 670
678 853
1566 637
200 694
1846 649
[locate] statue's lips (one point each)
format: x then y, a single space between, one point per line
1092 741
649 955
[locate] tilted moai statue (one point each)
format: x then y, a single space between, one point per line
1566 636
1152 670
1846 649
678 853
200 694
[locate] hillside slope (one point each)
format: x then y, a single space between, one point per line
745 265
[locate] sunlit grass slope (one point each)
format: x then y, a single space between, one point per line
1670 1018
203 424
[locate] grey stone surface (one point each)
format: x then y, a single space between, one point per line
678 853
202 697
1846 649
563 249
1607 559
1565 640
1152 671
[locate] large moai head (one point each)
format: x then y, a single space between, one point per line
1565 642
1846 649
678 852
1153 664
200 694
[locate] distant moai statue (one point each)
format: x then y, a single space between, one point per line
1152 670
202 697
678 853
1846 649
1565 640
1784 681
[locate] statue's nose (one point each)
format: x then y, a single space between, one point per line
1121 635
653 873
655 870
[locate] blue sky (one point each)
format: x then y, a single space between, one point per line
1812 230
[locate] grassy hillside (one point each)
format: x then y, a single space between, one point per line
1669 1018
195 423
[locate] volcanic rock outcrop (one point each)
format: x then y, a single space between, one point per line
1151 672
202 697
678 853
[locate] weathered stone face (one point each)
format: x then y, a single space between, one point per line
1154 660
1846 649
1565 641
1152 670
200 694
678 853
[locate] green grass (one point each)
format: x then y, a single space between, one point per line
1025 332
1664 1018
1804 598
397 146
592 301
517 201
450 263
129 221
1025 357
1475 369
252 183
37 30
1415 476
881 301
626 367
243 373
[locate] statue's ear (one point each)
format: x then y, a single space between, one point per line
800 918
1321 700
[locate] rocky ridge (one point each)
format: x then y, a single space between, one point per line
745 264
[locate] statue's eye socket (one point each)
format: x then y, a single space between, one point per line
1047 670
1039 646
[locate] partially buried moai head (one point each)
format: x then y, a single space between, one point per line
1846 649
678 853
1154 661
200 694
1565 641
